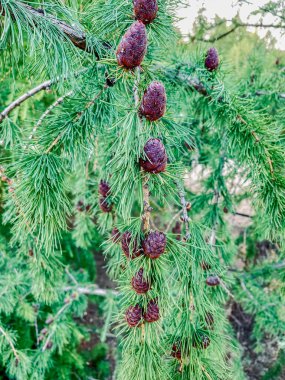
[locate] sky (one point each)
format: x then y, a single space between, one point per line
227 9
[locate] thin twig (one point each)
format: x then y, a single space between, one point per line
172 220
145 188
43 86
88 105
46 113
3 332
185 216
73 33
96 291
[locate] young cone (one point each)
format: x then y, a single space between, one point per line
115 234
104 188
139 284
126 242
132 48
152 312
213 281
134 316
154 244
154 102
212 59
145 10
176 351
156 157
104 204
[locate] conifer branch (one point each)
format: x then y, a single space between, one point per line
145 188
16 103
41 87
92 290
185 217
87 106
9 340
46 113
76 36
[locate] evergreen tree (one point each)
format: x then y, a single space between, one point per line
108 158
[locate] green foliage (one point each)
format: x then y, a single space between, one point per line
226 125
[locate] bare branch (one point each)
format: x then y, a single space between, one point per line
43 86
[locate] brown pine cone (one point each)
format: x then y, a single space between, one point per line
176 351
116 235
154 244
105 205
213 281
156 157
134 316
104 188
212 59
145 10
139 284
126 241
203 341
133 45
152 312
153 104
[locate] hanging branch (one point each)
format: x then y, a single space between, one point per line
212 240
76 36
185 217
9 340
43 86
145 188
46 113
16 103
88 105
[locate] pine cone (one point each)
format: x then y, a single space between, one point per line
126 242
176 351
177 230
116 235
154 101
80 206
156 157
132 48
104 188
213 281
203 341
145 10
134 316
139 284
104 204
212 59
152 312
154 244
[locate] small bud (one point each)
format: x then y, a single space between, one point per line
49 320
49 345
44 331
213 281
